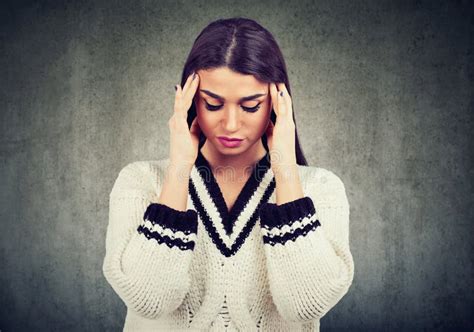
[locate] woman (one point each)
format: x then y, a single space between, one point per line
229 234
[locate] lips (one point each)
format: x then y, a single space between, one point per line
230 139
230 143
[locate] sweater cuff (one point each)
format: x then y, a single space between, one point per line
288 221
273 215
172 227
165 216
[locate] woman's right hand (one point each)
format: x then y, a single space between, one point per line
184 141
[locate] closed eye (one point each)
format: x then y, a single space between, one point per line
211 107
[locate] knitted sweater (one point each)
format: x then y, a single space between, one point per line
258 267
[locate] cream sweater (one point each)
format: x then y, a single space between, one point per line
258 267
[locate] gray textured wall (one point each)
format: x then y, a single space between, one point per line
383 97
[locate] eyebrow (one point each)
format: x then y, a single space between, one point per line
252 97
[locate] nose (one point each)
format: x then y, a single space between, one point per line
231 121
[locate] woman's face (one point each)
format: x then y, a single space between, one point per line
223 110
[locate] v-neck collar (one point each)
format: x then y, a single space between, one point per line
229 228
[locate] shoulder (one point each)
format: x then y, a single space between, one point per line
142 177
323 185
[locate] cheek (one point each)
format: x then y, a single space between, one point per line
260 122
205 120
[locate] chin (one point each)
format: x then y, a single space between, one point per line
231 151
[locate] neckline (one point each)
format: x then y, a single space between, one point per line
229 217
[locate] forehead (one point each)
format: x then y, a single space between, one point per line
229 84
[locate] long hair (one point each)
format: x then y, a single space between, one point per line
245 47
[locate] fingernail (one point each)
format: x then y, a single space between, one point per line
281 93
194 75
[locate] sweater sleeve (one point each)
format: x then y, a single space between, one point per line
149 246
309 263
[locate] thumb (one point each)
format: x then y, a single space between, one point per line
195 129
269 130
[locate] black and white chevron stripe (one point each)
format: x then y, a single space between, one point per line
229 229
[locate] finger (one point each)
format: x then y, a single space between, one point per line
187 83
287 99
190 92
177 98
282 109
195 129
181 100
274 93
180 107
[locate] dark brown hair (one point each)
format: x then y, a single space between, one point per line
245 47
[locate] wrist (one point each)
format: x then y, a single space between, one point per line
285 172
179 170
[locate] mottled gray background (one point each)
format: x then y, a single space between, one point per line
383 97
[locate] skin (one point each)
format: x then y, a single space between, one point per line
231 120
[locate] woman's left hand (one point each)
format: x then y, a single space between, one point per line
281 135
